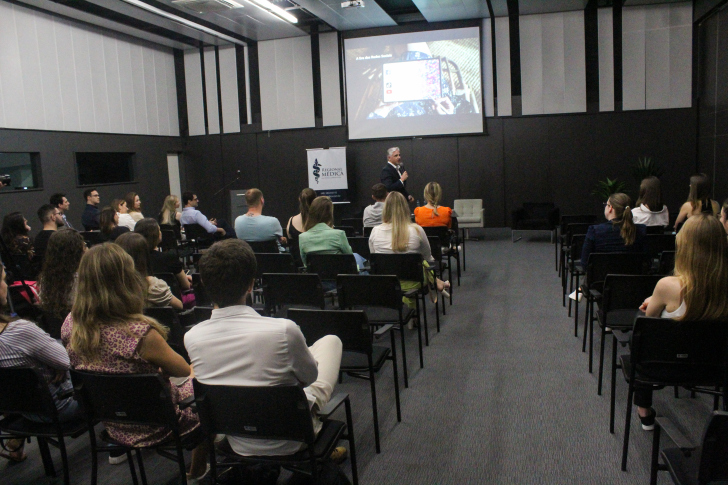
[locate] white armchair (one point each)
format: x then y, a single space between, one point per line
470 213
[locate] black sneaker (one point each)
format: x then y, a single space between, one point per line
648 422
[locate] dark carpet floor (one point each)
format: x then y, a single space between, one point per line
505 395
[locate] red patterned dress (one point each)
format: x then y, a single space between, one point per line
118 354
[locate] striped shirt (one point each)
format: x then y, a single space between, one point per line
24 344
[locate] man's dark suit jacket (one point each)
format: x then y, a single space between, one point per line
90 218
390 178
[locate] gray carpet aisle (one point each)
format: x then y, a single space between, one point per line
505 396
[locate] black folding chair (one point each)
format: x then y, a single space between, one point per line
272 413
656 244
666 352
93 238
285 289
172 282
571 230
655 230
693 464
360 245
368 231
565 220
198 237
26 392
141 399
348 230
328 266
360 359
448 248
270 246
356 222
275 263
201 296
168 316
380 296
440 265
667 263
407 267
576 271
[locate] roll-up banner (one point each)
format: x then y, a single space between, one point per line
327 173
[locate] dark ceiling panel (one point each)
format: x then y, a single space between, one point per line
441 11
330 11
529 7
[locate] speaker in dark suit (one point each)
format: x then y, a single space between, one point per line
393 176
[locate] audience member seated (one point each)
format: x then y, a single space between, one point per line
110 228
724 215
160 262
697 291
157 291
24 344
51 219
125 220
650 210
297 223
433 214
190 215
397 234
373 213
57 280
107 332
320 236
238 347
15 234
134 206
619 234
60 202
169 215
699 201
254 226
91 213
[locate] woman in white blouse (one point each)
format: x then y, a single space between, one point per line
125 220
650 210
397 234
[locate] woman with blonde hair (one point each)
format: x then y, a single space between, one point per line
433 214
134 205
696 291
650 210
169 214
107 332
125 220
619 234
699 201
397 234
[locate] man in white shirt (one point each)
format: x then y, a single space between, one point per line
373 213
238 347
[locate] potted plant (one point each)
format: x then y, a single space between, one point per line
604 188
646 167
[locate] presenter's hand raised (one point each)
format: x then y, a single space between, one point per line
404 176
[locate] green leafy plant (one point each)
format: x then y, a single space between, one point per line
646 167
604 188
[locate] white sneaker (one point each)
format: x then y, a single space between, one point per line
574 296
117 460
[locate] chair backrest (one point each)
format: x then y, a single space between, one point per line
657 243
92 238
169 238
468 207
360 245
368 231
198 233
602 264
655 230
25 390
125 398
435 247
351 326
667 262
275 263
270 246
348 230
51 324
576 219
175 228
201 296
369 290
624 292
406 266
713 463
293 289
356 222
440 232
577 243
682 352
266 412
172 282
576 228
169 318
327 266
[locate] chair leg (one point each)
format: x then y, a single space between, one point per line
576 303
591 337
64 459
571 288
424 321
463 239
404 353
352 446
140 462
181 462
654 466
437 313
132 470
601 358
45 454
375 414
396 376
586 324
457 260
419 330
627 424
613 384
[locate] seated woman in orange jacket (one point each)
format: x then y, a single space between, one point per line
433 214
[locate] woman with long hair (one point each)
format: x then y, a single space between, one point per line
157 292
650 210
433 214
134 205
169 214
319 234
15 234
699 201
297 224
160 262
125 219
724 215
619 234
397 234
696 291
107 332
24 344
109 224
57 279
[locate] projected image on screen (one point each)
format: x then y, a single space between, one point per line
424 83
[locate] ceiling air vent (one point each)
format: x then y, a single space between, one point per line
206 6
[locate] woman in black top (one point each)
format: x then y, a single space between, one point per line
297 223
699 201
109 222
159 261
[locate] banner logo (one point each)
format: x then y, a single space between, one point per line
316 170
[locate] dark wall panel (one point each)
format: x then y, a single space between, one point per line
435 160
59 174
481 172
204 174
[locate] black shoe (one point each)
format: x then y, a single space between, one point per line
648 422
